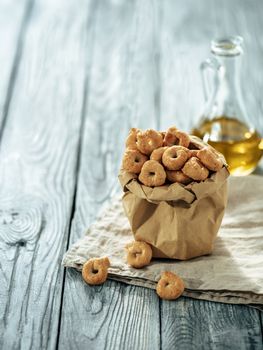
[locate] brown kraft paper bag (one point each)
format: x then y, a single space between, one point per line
180 222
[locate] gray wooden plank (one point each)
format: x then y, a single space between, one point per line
193 324
122 93
112 316
38 172
186 36
13 19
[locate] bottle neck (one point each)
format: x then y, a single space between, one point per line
228 91
230 73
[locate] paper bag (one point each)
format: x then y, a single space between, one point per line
179 222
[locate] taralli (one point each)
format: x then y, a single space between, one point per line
158 158
133 161
210 159
152 174
170 139
176 137
175 157
139 254
177 176
195 169
170 286
132 138
196 144
193 152
95 271
157 154
149 140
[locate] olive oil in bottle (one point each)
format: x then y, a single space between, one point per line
241 146
224 122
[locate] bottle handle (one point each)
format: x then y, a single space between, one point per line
214 65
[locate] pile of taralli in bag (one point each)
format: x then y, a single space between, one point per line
164 157
175 192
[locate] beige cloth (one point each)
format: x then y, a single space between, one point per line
232 274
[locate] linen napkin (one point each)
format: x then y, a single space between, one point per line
233 273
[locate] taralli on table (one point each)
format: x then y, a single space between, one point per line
133 161
139 254
157 154
176 137
148 141
152 174
132 138
170 286
195 169
210 159
175 157
177 176
95 271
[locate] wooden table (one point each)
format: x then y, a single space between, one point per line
75 76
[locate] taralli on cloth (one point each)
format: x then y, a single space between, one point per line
232 274
170 286
139 254
95 271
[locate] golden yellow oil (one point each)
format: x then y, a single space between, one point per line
241 146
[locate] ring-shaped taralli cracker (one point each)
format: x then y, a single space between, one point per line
176 137
149 140
175 157
210 159
170 286
195 169
152 174
132 138
177 176
95 271
157 154
139 254
133 161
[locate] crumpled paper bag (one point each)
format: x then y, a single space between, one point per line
180 222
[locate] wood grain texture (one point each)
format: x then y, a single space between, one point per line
13 18
112 316
122 93
194 324
38 173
